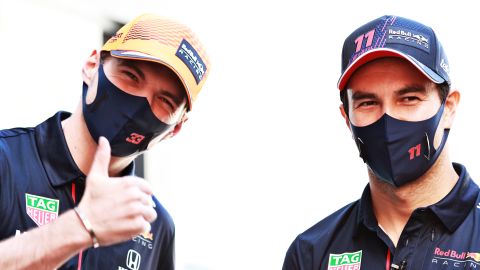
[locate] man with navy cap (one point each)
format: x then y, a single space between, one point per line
419 210
68 196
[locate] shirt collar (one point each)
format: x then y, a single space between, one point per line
454 208
55 155
451 210
365 215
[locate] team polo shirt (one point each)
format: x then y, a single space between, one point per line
39 181
444 236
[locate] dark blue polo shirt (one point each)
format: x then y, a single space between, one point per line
444 236
37 180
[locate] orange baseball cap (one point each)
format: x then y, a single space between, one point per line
150 37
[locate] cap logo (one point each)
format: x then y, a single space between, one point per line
363 44
408 37
444 66
192 59
115 37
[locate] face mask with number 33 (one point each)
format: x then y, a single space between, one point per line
127 121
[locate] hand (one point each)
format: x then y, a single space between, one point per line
117 207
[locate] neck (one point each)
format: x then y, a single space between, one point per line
83 147
393 206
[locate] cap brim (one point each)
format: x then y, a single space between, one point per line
134 55
382 53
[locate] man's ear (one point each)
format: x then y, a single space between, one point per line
344 115
451 104
90 67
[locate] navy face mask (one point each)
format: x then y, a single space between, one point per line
399 151
127 121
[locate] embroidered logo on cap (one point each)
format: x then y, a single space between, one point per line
408 37
40 209
345 261
190 57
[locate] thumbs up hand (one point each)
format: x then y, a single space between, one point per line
118 208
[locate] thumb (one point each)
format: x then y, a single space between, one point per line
102 158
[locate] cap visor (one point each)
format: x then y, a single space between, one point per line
382 53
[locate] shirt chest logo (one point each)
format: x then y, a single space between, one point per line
456 259
40 209
145 239
345 261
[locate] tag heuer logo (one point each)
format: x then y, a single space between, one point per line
345 261
41 209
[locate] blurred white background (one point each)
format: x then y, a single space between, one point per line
265 154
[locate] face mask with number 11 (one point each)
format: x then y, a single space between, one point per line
399 151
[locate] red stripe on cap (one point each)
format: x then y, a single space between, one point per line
370 56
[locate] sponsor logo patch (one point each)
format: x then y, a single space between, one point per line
409 37
40 209
456 259
133 261
345 261
192 60
145 239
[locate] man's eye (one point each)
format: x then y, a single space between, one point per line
366 103
410 98
131 76
167 102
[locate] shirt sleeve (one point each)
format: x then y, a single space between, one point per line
298 257
165 238
3 178
290 262
167 255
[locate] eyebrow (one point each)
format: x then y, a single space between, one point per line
402 91
412 89
363 95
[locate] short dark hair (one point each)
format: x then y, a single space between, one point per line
103 56
443 90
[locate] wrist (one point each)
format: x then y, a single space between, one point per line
87 227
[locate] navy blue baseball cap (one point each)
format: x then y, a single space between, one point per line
393 36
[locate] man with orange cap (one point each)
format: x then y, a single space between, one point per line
67 185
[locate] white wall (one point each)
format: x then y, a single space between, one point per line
265 154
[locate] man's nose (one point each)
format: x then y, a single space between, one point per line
394 112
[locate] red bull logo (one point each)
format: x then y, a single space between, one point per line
474 256
450 253
455 259
144 239
147 235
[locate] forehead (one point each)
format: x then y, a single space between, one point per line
387 74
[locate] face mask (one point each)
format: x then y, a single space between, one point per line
398 151
127 121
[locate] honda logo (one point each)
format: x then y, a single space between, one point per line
133 260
